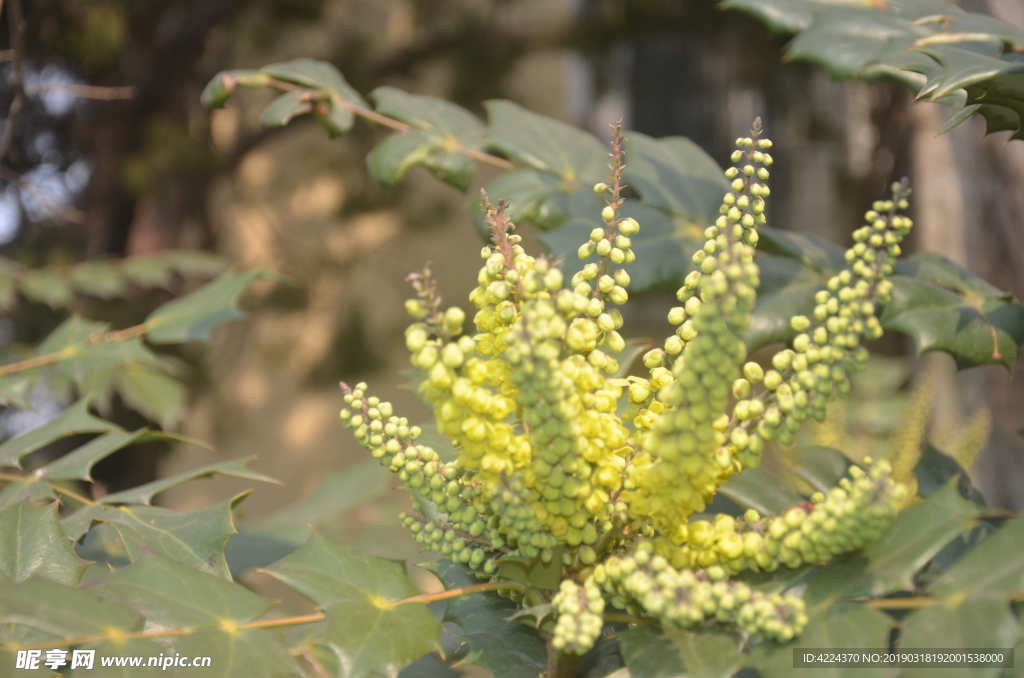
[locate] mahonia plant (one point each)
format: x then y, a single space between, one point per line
562 460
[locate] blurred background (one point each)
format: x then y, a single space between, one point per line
113 155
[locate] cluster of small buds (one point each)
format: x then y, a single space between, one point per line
454 543
804 379
686 458
685 597
845 519
579 620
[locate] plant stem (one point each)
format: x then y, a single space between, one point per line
397 125
455 593
265 623
71 351
560 664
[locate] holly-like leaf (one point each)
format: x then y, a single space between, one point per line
545 144
191 317
993 569
32 544
942 307
508 649
973 623
99 279
843 625
180 597
76 419
194 539
654 652
358 593
240 654
154 394
64 611
337 494
143 494
675 175
46 286
889 563
441 128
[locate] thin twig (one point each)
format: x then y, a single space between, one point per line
15 81
82 91
262 623
391 123
455 593
71 351
74 495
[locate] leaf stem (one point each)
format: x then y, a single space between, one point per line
455 593
71 351
627 618
263 623
397 125
74 495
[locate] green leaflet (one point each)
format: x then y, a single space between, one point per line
195 539
179 596
191 317
843 625
367 633
651 652
508 649
890 563
970 62
440 128
757 489
32 544
545 144
143 494
75 419
942 307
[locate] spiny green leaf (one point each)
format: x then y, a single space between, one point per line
653 652
508 649
890 562
676 175
46 286
194 262
357 591
33 545
179 596
99 279
143 494
195 539
64 611
336 494
843 625
191 317
546 144
125 649
281 110
242 654
73 331
430 114
942 307
994 568
147 271
532 196
76 419
975 624
757 489
154 394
